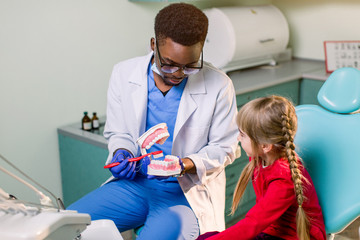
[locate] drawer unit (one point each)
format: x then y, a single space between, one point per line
233 172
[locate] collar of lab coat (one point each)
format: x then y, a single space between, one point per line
194 86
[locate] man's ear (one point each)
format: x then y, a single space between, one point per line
152 43
267 147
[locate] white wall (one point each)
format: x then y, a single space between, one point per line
55 62
56 58
312 22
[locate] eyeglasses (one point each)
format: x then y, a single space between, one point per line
168 68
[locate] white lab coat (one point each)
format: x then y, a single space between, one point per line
205 131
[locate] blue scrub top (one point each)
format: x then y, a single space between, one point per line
161 109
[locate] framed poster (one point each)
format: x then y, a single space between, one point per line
340 54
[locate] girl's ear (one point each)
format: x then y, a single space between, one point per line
267 147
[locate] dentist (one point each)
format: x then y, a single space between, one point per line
172 84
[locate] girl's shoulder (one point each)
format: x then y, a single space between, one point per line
280 169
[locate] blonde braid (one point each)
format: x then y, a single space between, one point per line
302 221
241 184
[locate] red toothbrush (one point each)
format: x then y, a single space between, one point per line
156 154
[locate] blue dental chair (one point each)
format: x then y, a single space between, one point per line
328 141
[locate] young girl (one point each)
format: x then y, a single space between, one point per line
286 206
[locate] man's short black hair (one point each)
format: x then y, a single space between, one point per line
183 23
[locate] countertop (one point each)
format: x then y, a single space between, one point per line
95 138
245 80
265 76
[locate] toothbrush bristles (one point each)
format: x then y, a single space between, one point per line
158 155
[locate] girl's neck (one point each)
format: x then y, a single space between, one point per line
269 158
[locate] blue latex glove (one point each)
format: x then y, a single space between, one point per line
142 166
125 169
181 165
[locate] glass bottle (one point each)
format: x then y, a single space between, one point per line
86 122
95 122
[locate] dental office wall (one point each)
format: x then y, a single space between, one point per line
56 59
312 22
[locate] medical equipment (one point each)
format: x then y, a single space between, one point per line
241 37
101 229
31 221
328 142
19 221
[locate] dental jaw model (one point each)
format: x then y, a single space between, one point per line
168 167
156 134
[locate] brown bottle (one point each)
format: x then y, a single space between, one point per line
95 122
86 122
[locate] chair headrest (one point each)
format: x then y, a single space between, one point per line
340 92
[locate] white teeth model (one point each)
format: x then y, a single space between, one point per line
170 166
157 134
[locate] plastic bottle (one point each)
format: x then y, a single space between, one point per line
86 122
95 122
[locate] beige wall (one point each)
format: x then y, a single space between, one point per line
312 22
56 58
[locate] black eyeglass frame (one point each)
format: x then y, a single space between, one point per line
174 66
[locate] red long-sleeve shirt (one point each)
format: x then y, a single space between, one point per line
275 209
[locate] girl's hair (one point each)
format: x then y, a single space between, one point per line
272 120
183 23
